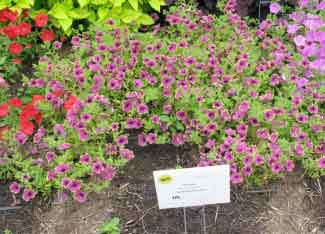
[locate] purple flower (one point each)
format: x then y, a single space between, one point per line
122 140
276 167
85 159
142 140
50 156
80 196
290 165
64 146
108 173
275 8
21 137
321 163
85 117
259 160
236 178
97 167
83 135
142 109
15 188
127 154
57 45
247 170
65 182
151 138
74 186
59 129
28 194
62 168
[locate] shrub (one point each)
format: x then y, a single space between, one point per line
239 95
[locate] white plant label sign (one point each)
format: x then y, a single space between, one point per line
192 186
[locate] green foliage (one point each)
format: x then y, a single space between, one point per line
111 226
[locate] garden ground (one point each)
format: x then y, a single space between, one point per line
295 205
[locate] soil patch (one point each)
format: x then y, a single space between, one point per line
295 205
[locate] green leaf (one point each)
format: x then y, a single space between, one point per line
99 2
23 4
134 4
164 118
108 39
60 12
155 4
79 13
83 3
5 4
65 24
102 13
3 60
151 94
145 19
118 3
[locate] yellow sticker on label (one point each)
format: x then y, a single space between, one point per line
165 179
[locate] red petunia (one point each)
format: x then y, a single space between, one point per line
4 110
28 112
16 61
15 102
11 31
3 18
47 35
26 127
38 118
24 29
37 98
12 16
68 104
58 93
15 48
41 20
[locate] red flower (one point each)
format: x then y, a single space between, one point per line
3 18
28 46
25 29
11 15
37 98
25 13
15 102
15 48
41 20
38 118
4 109
68 104
28 112
26 127
16 61
58 93
47 35
11 31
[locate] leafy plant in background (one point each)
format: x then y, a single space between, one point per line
111 226
65 13
20 39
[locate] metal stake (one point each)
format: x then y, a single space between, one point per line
185 221
204 221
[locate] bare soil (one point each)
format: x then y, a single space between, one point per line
295 205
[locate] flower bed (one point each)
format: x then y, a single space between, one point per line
241 96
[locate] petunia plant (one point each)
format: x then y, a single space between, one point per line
241 97
20 39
